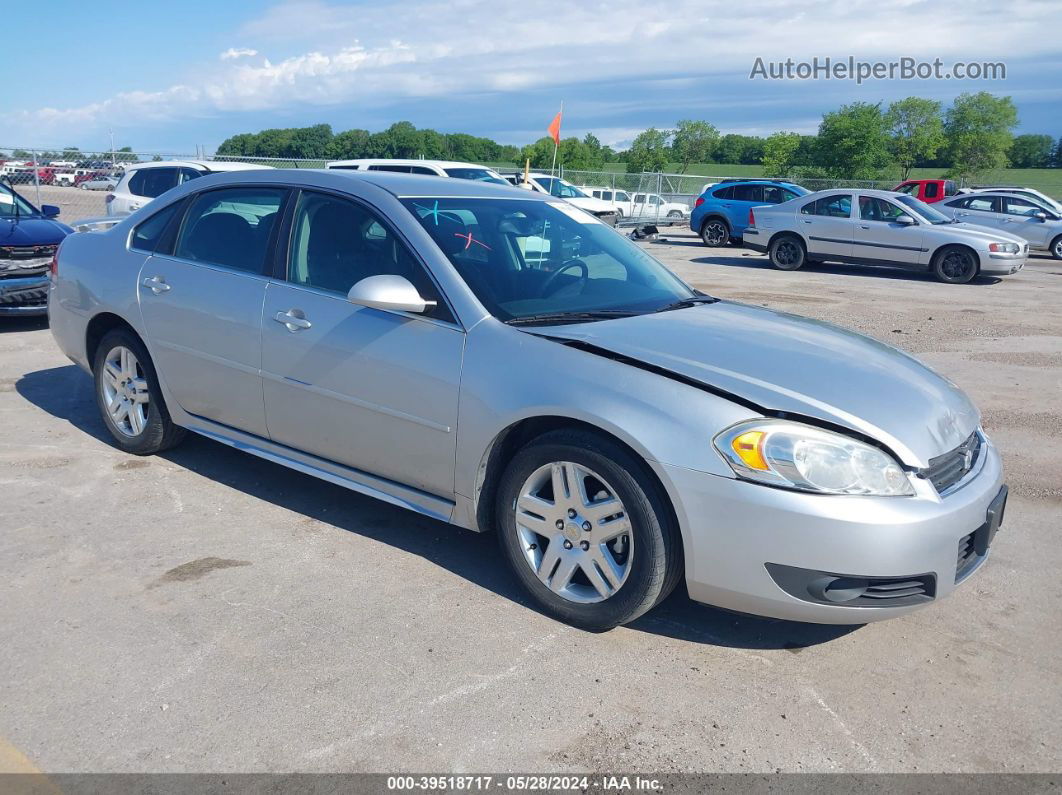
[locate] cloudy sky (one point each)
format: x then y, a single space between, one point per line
168 80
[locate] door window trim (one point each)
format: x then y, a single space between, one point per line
284 245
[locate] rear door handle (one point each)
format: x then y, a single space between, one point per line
805 220
156 284
292 321
863 227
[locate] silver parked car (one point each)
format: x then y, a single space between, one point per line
877 227
101 182
503 361
1031 220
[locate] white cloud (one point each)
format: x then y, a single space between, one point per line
232 53
371 54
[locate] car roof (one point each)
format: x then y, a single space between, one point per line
391 161
207 165
398 184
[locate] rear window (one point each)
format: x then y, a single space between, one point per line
152 182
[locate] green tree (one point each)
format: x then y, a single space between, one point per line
978 128
1032 151
916 131
692 142
853 142
349 145
648 152
1056 160
780 154
540 153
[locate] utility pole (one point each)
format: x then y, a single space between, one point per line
111 133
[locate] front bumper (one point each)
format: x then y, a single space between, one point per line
24 295
1004 264
736 532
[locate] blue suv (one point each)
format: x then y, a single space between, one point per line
722 212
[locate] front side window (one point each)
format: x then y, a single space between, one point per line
836 206
187 174
336 243
12 205
872 208
525 259
560 188
152 182
772 194
230 227
622 196
1016 206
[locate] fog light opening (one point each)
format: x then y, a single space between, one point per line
838 589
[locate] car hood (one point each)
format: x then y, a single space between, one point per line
982 233
795 365
31 231
591 204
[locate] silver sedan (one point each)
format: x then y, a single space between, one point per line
505 362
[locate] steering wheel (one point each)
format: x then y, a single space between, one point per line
584 276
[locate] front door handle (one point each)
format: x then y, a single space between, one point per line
863 227
156 284
805 220
293 322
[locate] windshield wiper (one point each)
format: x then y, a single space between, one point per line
682 303
570 317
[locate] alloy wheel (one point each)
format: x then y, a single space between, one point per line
787 253
125 391
715 233
575 532
957 264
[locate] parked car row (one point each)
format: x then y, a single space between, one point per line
925 225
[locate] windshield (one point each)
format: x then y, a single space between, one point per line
924 210
8 199
559 188
524 258
476 174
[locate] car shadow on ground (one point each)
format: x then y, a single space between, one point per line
739 259
66 393
13 323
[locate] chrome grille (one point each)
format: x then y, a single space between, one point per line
26 252
946 470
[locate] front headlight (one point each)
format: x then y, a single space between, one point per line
1003 248
796 456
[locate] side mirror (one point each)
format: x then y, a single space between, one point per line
388 291
905 220
49 211
1040 216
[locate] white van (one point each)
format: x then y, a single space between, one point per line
433 168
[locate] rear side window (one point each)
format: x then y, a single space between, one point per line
986 204
148 233
748 193
932 189
725 193
836 206
152 182
230 227
396 169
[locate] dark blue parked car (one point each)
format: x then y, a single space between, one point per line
722 212
28 240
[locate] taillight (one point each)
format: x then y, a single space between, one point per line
108 198
699 202
752 218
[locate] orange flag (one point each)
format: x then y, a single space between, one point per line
554 128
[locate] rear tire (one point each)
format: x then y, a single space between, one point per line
787 253
128 396
630 558
715 232
955 265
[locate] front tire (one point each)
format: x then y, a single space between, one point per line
1056 247
128 396
586 530
715 232
955 265
787 253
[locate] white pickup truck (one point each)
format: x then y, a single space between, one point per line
649 206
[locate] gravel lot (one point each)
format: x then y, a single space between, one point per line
208 611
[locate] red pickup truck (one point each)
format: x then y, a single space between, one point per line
928 190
